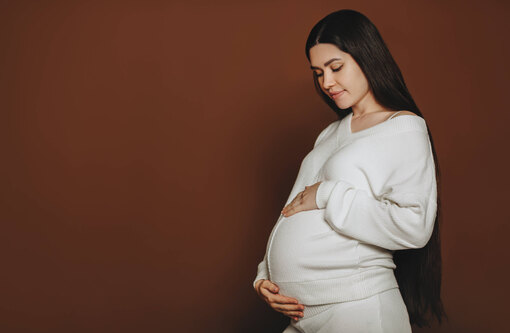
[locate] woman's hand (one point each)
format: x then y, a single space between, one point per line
289 306
304 200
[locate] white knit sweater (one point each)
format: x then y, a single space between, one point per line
377 194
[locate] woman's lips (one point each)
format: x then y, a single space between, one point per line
337 94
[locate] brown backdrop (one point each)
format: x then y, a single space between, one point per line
148 147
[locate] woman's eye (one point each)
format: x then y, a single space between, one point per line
334 70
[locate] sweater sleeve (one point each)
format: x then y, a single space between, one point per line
261 271
402 214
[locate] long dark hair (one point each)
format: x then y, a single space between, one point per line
418 271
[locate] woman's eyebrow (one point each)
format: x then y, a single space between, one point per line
326 63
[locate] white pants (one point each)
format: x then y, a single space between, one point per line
385 312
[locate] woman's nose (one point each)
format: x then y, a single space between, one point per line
328 81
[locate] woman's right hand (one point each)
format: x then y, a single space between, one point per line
289 306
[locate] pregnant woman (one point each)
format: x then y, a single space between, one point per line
357 246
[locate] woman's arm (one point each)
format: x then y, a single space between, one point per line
402 216
262 272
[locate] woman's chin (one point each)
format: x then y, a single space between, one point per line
342 106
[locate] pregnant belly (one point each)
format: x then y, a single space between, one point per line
305 247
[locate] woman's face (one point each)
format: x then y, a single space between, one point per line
338 71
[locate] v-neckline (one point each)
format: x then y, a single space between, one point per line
368 129
403 122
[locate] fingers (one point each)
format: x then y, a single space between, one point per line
270 286
283 299
294 204
289 209
294 315
267 293
287 305
292 310
266 285
303 201
258 283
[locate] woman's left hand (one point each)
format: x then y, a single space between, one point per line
304 200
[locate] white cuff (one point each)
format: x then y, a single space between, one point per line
323 193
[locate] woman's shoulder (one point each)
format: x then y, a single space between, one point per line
404 120
404 112
397 123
